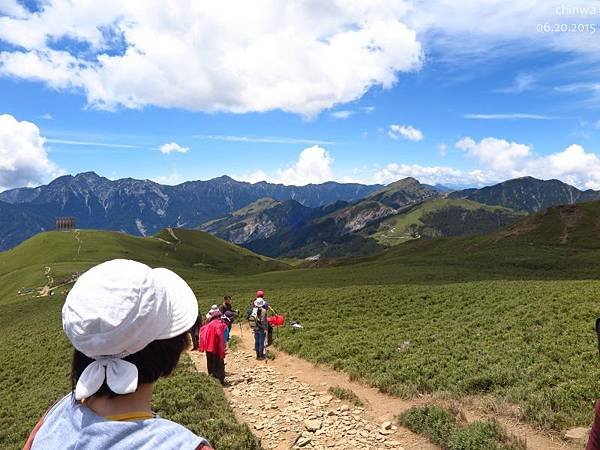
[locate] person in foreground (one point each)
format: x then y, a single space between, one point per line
128 324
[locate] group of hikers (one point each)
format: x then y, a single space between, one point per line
210 333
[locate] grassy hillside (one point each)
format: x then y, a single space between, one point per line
507 317
35 354
443 217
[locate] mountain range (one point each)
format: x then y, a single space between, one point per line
328 219
143 207
401 211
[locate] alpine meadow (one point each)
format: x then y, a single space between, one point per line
321 225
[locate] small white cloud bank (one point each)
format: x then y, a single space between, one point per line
343 114
171 147
313 166
23 156
405 131
499 160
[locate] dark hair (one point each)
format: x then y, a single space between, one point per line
158 359
227 297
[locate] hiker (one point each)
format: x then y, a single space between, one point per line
258 322
128 325
266 307
212 342
226 305
195 331
212 309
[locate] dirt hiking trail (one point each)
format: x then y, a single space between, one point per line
285 403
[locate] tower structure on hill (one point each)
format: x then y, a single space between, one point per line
65 223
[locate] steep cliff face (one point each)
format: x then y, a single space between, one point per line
260 220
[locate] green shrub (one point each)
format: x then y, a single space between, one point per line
436 423
345 394
441 427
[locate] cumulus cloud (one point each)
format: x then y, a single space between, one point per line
23 157
498 155
313 166
405 131
300 57
173 147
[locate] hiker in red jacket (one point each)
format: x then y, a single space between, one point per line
212 341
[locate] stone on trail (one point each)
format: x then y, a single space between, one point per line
578 434
386 425
303 441
313 424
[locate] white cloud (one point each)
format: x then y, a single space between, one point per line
573 165
313 166
368 109
46 116
173 147
406 131
300 57
12 8
264 139
343 114
170 179
429 175
253 177
510 116
23 158
499 160
495 154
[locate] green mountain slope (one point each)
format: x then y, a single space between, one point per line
338 232
443 217
261 220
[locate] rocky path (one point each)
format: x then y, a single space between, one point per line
285 401
288 406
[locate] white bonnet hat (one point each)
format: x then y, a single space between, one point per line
117 308
259 302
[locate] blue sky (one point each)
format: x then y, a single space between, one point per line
451 100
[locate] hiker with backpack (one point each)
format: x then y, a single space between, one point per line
212 342
128 325
226 305
267 308
259 324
